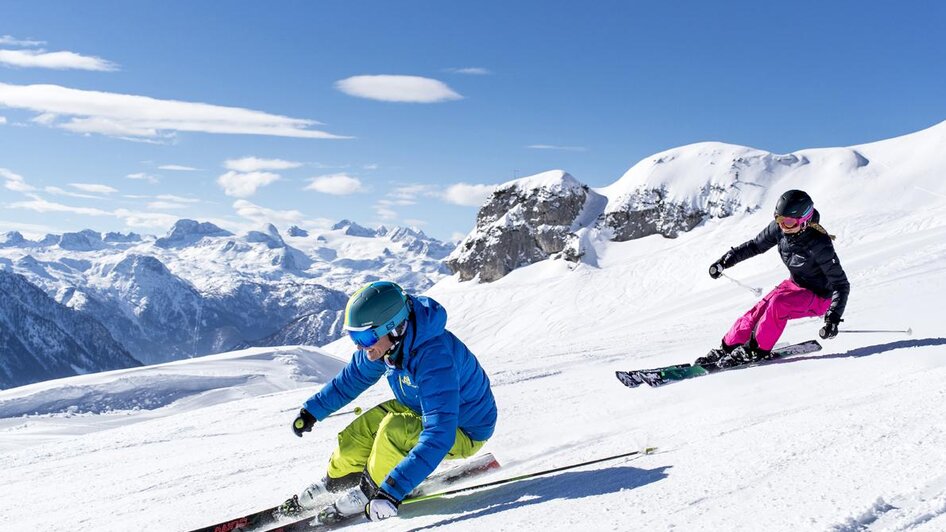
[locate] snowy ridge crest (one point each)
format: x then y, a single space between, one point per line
537 217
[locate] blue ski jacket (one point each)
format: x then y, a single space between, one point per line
436 376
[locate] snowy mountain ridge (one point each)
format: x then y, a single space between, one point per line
677 190
201 289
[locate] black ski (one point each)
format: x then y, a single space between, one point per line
679 372
312 524
266 518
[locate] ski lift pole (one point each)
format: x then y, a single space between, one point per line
754 290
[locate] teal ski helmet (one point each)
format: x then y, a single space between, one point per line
374 311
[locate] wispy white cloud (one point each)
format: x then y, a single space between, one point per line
131 116
261 215
405 193
94 188
14 181
178 199
472 71
467 195
55 60
165 205
63 192
145 219
242 185
129 217
457 237
44 119
415 222
3 120
141 176
384 211
554 147
412 89
38 204
336 184
9 40
177 168
255 164
31 231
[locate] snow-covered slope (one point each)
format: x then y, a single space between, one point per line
852 438
553 215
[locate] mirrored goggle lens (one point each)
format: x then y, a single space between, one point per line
363 338
787 221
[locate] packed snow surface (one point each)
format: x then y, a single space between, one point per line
849 439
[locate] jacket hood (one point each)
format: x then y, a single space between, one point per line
428 320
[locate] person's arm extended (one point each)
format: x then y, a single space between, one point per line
763 242
355 378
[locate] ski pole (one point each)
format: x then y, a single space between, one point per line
647 450
756 291
907 332
356 411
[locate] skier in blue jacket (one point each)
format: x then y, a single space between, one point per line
443 405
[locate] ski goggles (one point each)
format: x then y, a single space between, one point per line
368 337
788 222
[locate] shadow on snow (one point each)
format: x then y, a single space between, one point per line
868 350
569 485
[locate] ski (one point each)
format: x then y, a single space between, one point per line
312 524
678 372
259 520
469 469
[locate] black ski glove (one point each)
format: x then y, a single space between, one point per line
715 270
830 329
726 261
303 422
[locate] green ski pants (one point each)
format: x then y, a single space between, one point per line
380 438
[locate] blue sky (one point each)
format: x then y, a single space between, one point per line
125 116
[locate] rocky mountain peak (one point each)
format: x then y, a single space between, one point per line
87 240
270 236
12 239
525 221
186 232
296 231
353 229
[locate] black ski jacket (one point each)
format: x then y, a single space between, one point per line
810 258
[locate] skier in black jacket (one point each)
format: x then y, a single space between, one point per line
817 286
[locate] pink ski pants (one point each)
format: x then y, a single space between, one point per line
768 317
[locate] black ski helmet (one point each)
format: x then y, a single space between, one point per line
795 204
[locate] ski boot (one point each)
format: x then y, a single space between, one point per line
744 354
349 504
714 355
315 495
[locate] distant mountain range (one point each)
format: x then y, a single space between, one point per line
119 300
